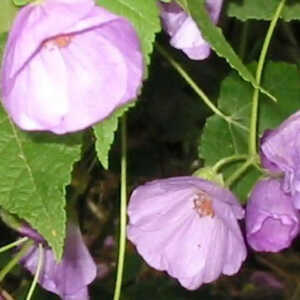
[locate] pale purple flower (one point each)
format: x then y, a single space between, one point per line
183 30
272 222
188 227
69 64
69 278
280 151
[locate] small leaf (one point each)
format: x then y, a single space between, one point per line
262 9
216 39
35 169
105 134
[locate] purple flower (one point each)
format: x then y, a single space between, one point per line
188 227
272 222
280 151
69 64
184 33
69 278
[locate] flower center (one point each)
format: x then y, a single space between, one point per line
60 41
203 205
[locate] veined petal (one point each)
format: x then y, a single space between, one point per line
187 227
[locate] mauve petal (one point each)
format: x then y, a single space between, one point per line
214 8
26 230
281 148
266 163
99 79
272 222
36 20
67 88
33 91
184 32
150 243
76 270
170 234
82 294
201 254
170 209
236 253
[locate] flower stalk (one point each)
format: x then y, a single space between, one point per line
261 62
123 210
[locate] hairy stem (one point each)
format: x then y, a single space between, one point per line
123 210
24 250
255 98
221 163
14 244
191 82
37 272
238 173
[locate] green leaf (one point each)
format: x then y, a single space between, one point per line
144 16
7 13
35 169
216 39
105 134
221 139
262 9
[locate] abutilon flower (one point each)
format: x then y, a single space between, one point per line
69 64
272 222
280 152
69 278
188 227
184 32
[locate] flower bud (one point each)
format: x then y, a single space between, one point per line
280 152
272 222
183 30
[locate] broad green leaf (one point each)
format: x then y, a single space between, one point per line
216 39
34 171
221 139
7 13
262 9
105 134
144 15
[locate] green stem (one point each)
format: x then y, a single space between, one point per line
28 244
14 244
37 272
123 210
222 162
255 98
237 174
191 82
